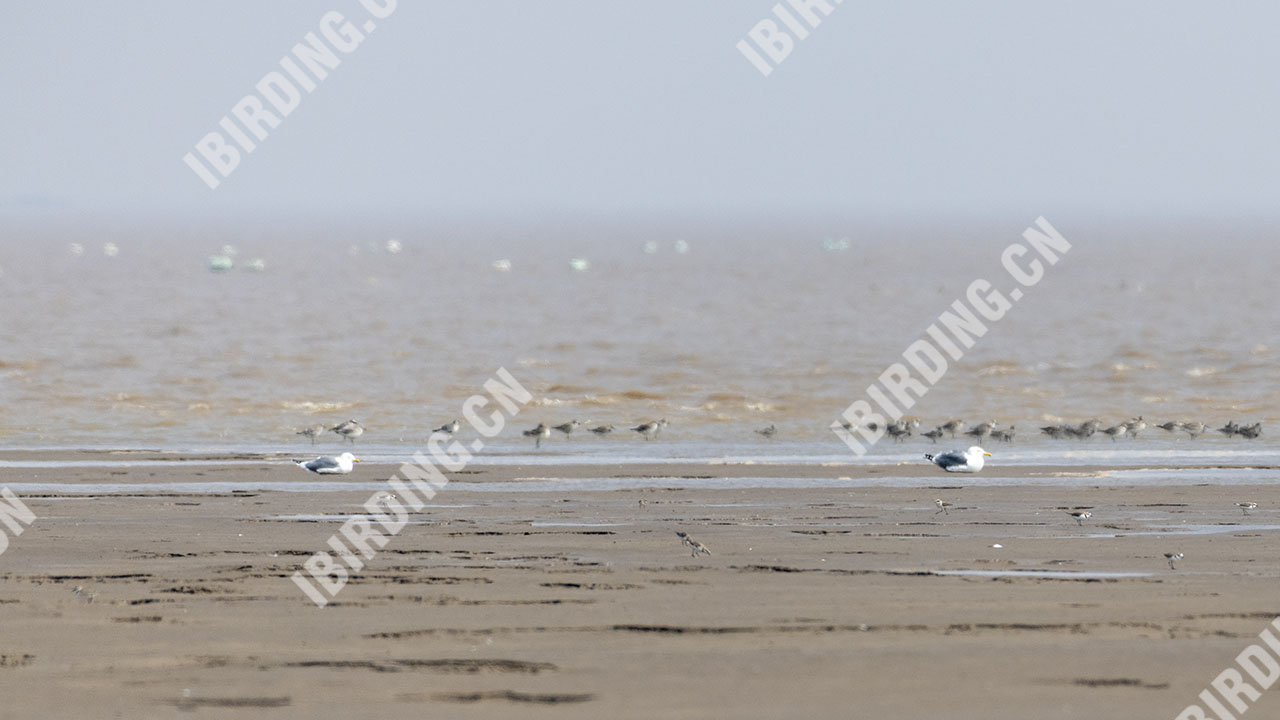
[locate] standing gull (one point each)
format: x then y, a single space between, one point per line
327 465
349 430
968 461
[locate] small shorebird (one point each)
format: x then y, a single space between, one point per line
1195 429
327 465
1005 435
694 546
953 426
1116 431
1135 426
311 432
1250 432
933 434
1087 428
567 428
1172 558
899 431
1231 428
942 506
1081 516
449 428
1055 431
349 430
643 503
1172 426
1245 507
983 430
538 433
602 430
650 430
768 432
967 461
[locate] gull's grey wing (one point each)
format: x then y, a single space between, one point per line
321 464
950 459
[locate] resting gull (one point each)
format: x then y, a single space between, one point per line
968 461
328 465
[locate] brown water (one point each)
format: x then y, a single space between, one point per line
748 327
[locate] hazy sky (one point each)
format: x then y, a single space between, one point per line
1136 108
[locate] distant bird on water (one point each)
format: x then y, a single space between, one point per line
694 546
768 432
1116 431
602 430
327 465
449 428
933 434
956 461
538 434
311 432
1250 432
349 430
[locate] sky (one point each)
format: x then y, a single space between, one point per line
1137 109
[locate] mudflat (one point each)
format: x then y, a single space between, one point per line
154 596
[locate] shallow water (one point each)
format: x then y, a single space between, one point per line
751 326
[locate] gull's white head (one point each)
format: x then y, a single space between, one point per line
976 451
348 458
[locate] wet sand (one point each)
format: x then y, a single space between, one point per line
826 602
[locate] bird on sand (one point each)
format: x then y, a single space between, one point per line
1081 516
1245 507
567 428
449 428
650 430
694 546
942 506
538 434
328 465
1172 558
349 430
967 461
602 430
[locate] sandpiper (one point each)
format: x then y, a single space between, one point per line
694 546
538 433
349 430
1245 507
1194 429
982 430
1081 516
942 506
1172 426
449 428
1054 431
1231 428
1135 426
768 432
1116 431
899 431
1086 429
311 432
1250 432
933 434
602 430
1005 435
953 426
1172 558
650 430
567 428
328 465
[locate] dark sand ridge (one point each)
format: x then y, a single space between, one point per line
586 604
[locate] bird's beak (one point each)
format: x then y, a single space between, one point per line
987 454
358 459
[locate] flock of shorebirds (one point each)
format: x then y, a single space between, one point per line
903 429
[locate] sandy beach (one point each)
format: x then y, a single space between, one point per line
832 601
